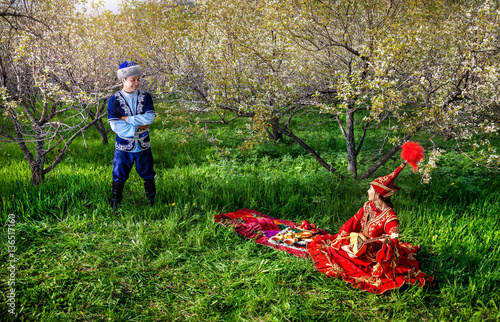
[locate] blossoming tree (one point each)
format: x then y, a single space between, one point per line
46 96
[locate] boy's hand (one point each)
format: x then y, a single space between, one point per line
124 118
142 127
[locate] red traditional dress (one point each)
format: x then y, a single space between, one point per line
383 267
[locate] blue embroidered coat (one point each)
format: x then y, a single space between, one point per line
118 107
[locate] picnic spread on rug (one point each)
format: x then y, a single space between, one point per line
377 268
280 234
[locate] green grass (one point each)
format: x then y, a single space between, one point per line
77 260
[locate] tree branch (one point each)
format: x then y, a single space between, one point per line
63 150
385 158
360 144
341 126
309 149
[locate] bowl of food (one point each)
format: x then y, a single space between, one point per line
290 241
301 243
275 239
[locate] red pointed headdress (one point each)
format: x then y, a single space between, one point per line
412 153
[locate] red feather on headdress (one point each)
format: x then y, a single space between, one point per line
412 153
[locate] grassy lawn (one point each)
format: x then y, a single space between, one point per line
77 260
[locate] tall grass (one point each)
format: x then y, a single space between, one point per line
77 260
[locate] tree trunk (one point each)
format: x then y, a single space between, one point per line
37 174
96 117
275 134
352 155
99 126
3 73
36 165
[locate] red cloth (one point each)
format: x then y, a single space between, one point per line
384 266
252 224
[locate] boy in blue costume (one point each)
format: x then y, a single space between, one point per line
130 111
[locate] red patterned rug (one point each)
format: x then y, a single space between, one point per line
251 224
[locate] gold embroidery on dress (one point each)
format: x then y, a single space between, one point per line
395 257
408 247
337 269
368 279
334 267
393 230
367 213
326 243
394 217
369 225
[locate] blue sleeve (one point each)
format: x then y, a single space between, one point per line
149 113
123 129
141 119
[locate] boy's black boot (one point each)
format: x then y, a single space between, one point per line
117 194
150 187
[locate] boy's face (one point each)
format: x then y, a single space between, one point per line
131 84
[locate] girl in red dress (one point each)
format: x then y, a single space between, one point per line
384 263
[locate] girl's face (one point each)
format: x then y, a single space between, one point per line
371 194
131 84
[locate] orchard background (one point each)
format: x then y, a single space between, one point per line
286 107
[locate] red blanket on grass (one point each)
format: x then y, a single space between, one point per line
251 224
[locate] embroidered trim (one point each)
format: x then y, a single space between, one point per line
124 147
376 269
394 218
390 191
334 269
394 232
371 218
123 104
141 96
144 145
369 279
